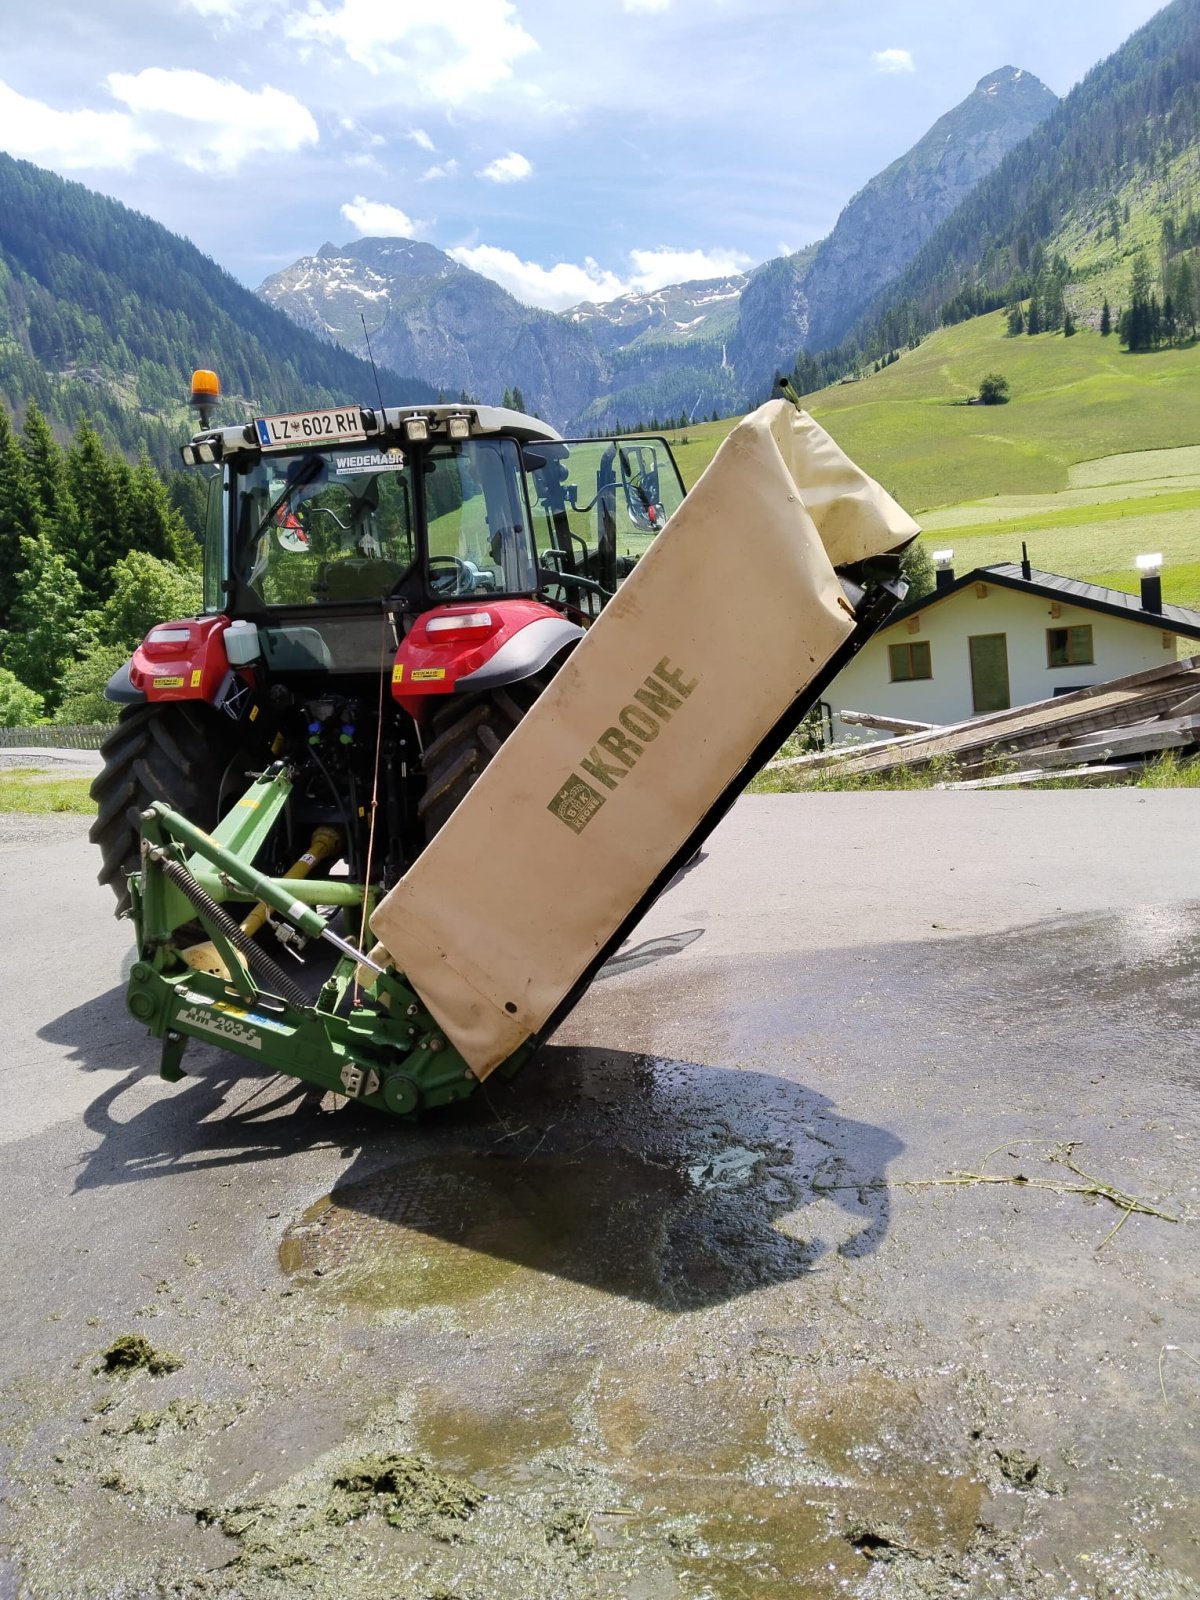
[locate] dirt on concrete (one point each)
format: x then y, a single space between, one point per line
790 1293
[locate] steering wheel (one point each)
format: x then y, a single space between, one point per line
458 580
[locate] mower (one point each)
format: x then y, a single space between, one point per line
463 698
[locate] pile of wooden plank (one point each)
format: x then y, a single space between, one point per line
1099 734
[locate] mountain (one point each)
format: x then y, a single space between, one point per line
666 350
690 348
704 310
105 312
426 313
1108 178
886 223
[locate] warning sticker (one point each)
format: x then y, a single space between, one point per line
398 672
168 683
427 674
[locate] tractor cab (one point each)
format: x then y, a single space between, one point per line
410 510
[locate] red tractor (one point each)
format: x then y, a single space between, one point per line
386 591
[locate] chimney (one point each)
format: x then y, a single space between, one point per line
1150 567
1026 569
943 570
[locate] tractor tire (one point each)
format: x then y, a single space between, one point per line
176 753
467 733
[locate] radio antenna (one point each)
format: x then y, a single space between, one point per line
374 368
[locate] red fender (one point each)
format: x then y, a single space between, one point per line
447 647
182 660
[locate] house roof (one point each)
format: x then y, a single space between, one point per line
1050 586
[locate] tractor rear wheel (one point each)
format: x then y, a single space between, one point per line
176 753
467 734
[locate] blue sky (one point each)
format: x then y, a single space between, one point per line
569 150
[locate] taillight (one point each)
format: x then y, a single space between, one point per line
167 641
477 623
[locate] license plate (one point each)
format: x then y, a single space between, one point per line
310 427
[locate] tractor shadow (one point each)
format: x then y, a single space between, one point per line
675 1184
224 1113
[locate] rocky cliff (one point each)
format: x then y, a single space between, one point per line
888 221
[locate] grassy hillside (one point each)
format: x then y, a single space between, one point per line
1072 400
1095 458
1104 231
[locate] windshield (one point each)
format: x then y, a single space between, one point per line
478 530
598 503
327 525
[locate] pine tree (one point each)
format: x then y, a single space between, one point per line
1068 324
154 526
19 515
1184 283
1016 321
1141 324
1105 318
47 467
1033 321
100 488
518 399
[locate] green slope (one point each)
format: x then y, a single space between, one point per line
1095 459
1071 400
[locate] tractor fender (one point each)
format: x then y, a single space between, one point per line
477 646
120 689
521 656
182 660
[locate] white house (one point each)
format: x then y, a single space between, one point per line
1004 636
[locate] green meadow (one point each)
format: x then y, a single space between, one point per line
1094 459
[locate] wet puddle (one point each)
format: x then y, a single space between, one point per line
452 1229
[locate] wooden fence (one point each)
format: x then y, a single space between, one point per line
52 736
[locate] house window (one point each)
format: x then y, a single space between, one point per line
1069 647
909 661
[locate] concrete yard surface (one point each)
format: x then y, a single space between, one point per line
843 1242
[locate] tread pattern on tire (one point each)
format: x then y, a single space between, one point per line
176 753
467 734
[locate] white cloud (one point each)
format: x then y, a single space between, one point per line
420 138
555 288
448 56
223 124
511 168
446 170
225 10
646 5
654 269
567 283
69 140
357 130
893 61
378 220
226 123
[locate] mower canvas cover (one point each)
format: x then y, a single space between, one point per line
732 611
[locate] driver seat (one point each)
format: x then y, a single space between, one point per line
357 578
